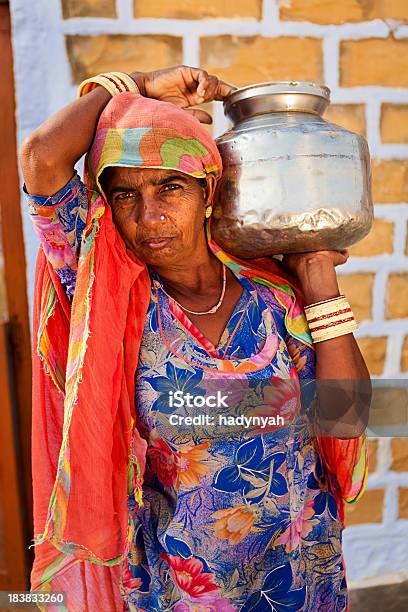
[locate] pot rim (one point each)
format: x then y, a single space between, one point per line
274 97
278 87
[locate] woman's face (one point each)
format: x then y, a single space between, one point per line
159 213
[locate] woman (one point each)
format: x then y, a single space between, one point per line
139 504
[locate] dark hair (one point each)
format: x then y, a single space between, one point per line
202 182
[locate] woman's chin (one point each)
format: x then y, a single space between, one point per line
159 253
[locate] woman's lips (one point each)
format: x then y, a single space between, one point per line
157 243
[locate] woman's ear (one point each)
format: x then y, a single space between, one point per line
210 189
103 181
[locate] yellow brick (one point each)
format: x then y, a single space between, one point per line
389 407
402 502
372 455
349 116
245 60
390 181
375 61
397 296
369 508
342 11
88 8
393 9
374 351
394 123
404 355
188 9
399 447
322 11
378 242
90 55
358 289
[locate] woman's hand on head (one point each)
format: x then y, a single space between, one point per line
185 87
315 272
319 265
295 263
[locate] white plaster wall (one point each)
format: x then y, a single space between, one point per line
43 85
42 80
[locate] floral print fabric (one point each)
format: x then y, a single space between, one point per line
233 518
58 221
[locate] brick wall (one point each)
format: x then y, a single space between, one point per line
360 50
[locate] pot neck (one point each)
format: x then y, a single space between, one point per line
277 118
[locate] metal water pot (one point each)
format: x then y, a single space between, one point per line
292 181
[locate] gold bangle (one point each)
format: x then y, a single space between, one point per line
330 318
323 312
327 326
126 81
324 302
330 321
113 82
335 331
90 84
321 319
335 334
326 310
333 299
325 317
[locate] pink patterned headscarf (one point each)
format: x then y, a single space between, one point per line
147 133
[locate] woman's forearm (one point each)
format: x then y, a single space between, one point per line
343 387
48 155
342 378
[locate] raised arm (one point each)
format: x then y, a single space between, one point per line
48 155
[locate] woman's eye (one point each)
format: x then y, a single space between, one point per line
170 187
126 195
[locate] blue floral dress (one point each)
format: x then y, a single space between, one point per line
236 515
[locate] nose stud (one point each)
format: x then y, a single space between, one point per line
162 217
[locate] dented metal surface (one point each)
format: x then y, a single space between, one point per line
292 182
